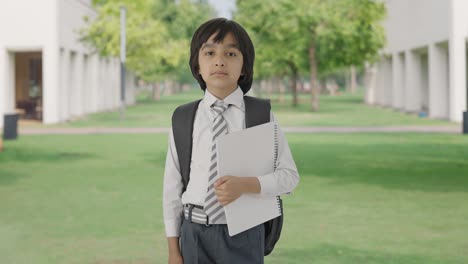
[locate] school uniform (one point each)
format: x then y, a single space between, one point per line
211 243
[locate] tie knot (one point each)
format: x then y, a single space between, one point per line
219 107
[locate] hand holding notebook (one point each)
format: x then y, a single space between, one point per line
247 153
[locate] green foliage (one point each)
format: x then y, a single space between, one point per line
344 32
158 34
276 36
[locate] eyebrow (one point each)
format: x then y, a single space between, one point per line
211 45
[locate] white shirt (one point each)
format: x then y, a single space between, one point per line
282 181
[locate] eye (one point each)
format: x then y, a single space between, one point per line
209 53
232 54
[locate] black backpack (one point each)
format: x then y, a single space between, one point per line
257 112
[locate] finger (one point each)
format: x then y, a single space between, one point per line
224 201
221 180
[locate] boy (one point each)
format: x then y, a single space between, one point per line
221 60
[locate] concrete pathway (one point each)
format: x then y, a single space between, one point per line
143 130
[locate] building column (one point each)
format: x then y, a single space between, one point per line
3 82
413 86
72 85
457 60
388 82
424 81
64 107
94 82
116 82
102 87
438 82
7 83
78 71
398 81
380 82
85 85
370 83
51 91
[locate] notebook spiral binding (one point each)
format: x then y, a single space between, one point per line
275 135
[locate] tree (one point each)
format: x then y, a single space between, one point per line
327 34
158 34
341 33
146 37
275 33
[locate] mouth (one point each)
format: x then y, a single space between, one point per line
219 73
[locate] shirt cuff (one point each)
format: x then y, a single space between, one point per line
172 228
267 185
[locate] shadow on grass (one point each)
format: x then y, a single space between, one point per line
36 155
14 156
326 253
422 167
24 153
8 176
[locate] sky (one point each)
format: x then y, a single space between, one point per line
224 7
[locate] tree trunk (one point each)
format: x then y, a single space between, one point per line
269 88
168 87
370 82
276 82
281 90
263 87
353 80
156 91
177 87
293 83
314 89
348 81
301 86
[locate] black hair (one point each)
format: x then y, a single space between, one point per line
223 26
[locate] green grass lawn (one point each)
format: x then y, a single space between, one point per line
363 198
344 110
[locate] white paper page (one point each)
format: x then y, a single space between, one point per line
248 153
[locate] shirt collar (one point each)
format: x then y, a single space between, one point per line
236 99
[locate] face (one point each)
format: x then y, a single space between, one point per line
220 63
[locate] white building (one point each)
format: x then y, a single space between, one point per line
46 73
423 67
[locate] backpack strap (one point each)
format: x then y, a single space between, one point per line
257 111
182 129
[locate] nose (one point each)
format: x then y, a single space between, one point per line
219 61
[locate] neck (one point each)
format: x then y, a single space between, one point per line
221 93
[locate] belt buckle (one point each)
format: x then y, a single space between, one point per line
190 212
207 221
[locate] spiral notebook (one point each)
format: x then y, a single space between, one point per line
249 152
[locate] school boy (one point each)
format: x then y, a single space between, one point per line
221 60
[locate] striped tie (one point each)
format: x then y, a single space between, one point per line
212 207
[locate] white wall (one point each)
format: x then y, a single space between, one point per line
71 20
457 59
412 24
432 73
16 30
398 69
438 81
27 25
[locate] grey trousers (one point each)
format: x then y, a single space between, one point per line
202 244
